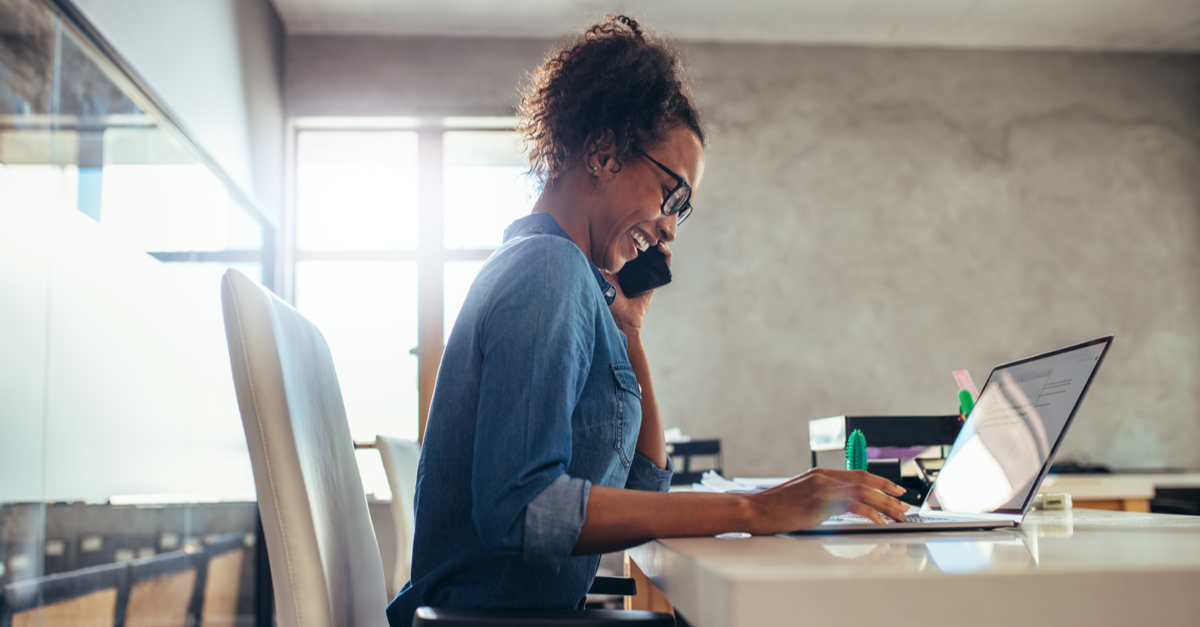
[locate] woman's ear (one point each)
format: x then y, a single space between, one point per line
601 154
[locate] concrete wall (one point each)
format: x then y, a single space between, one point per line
873 219
406 76
218 64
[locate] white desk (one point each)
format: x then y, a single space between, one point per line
1081 567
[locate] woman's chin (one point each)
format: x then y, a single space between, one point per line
618 259
621 261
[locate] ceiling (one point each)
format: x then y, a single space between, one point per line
1144 25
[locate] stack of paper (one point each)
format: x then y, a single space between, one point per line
712 481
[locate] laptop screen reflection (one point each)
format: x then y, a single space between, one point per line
1009 438
951 555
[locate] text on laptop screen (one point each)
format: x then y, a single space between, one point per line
1012 432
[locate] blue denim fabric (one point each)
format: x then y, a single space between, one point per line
535 403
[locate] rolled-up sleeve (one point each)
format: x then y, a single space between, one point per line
646 476
553 521
537 348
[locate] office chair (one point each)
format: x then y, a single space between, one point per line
325 565
687 452
325 562
400 459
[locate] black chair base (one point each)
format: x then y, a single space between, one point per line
489 617
614 586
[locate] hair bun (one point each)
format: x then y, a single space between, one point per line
612 78
628 22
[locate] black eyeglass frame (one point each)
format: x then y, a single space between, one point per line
684 208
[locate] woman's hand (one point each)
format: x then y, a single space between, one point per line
629 313
807 500
618 518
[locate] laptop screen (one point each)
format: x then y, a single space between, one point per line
1009 440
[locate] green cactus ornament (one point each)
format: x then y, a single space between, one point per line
856 451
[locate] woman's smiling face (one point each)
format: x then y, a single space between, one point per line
628 216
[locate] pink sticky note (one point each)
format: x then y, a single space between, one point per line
963 378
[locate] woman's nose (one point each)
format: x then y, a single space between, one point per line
666 228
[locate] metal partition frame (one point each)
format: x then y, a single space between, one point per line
133 83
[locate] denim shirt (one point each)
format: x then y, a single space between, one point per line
535 403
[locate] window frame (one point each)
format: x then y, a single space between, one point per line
431 253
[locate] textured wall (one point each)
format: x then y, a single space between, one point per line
434 76
873 219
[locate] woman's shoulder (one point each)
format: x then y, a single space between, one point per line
544 245
542 255
538 269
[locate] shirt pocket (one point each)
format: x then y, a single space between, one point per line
629 411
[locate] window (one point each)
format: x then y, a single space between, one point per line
390 222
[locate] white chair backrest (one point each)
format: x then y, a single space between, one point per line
325 563
400 458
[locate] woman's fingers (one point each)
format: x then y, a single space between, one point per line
877 482
808 499
854 507
863 477
872 499
882 503
666 251
853 477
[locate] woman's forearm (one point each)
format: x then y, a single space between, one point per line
650 443
618 519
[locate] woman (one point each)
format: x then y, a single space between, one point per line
544 446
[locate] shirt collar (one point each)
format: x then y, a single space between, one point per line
545 224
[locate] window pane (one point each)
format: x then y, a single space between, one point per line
367 311
485 186
356 190
458 276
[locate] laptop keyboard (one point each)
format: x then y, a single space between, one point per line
912 518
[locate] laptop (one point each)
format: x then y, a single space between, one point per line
1005 447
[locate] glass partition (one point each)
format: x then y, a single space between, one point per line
72 128
122 448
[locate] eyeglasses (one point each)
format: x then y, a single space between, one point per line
678 202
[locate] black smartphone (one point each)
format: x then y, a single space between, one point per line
647 272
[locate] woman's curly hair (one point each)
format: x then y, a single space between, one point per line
614 77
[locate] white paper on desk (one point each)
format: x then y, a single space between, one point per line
761 483
712 481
